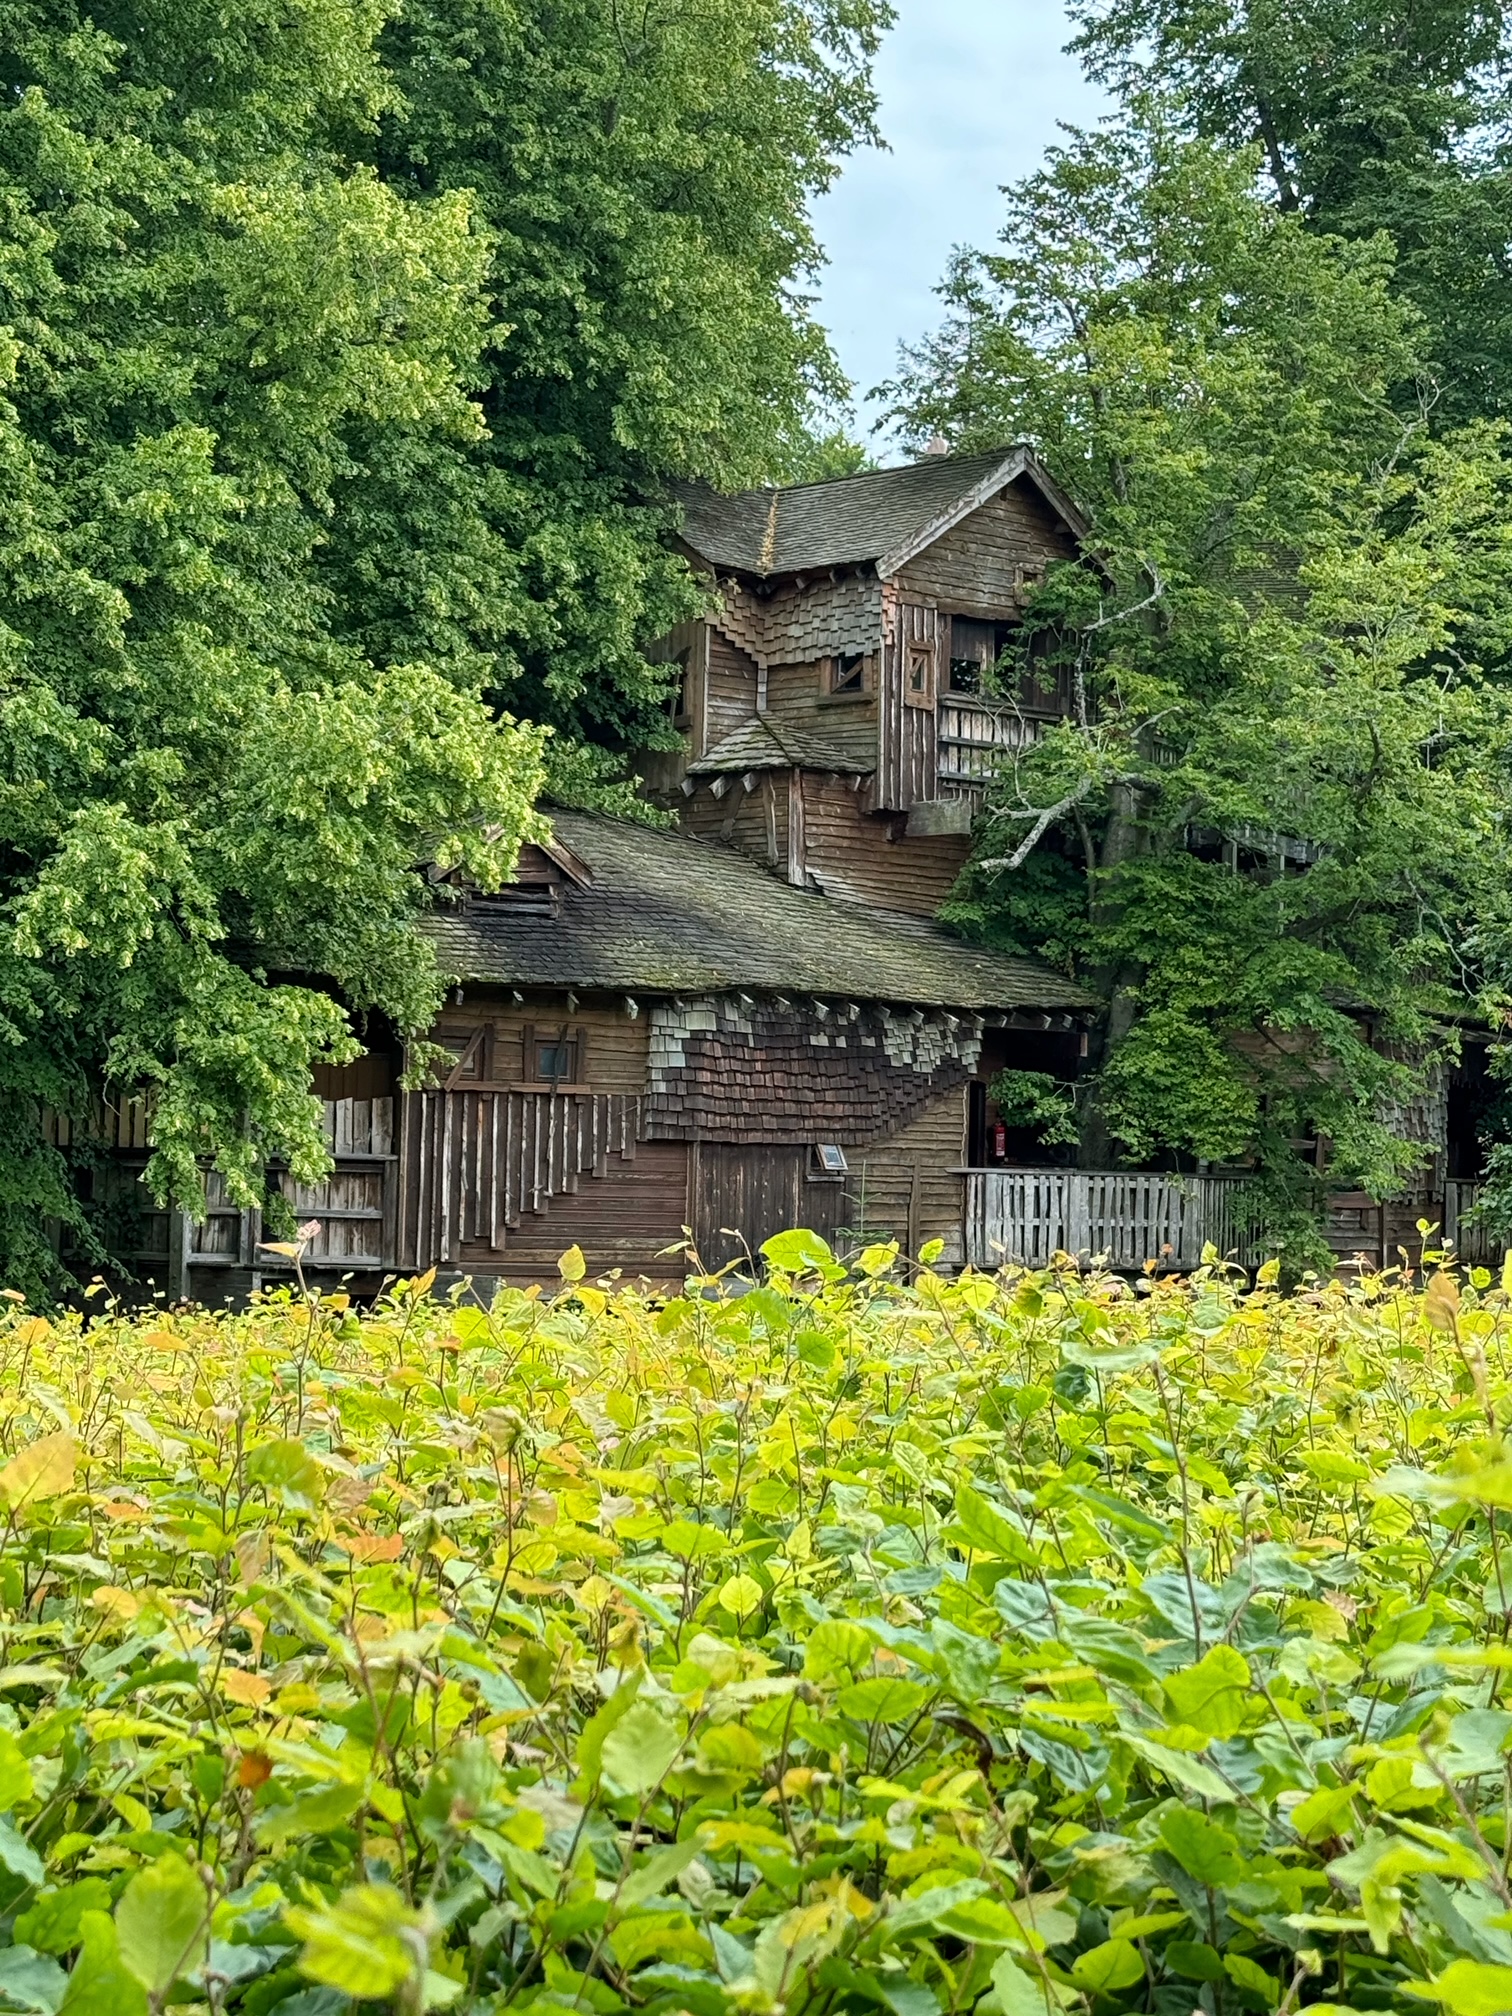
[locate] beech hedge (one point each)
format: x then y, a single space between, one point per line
858 1643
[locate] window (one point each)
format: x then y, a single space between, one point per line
677 698
847 672
977 647
973 648
918 675
830 1159
555 1058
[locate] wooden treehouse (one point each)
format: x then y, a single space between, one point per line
753 1022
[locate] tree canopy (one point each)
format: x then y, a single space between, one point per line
1274 832
1370 115
342 355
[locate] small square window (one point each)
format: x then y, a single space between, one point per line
847 672
555 1061
831 1158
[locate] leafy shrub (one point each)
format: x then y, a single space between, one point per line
1015 1645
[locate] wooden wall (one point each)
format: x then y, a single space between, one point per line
755 821
907 750
621 1219
615 1049
907 1187
847 723
863 857
741 1195
731 695
980 567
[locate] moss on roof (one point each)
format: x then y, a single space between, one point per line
668 914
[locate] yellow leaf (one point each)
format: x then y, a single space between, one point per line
247 1690
32 1331
572 1266
43 1469
164 1340
286 1247
1441 1301
741 1595
114 1602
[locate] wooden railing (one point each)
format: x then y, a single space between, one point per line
975 736
1471 1242
1123 1217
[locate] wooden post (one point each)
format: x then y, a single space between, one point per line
180 1234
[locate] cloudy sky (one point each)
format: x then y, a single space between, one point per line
971 94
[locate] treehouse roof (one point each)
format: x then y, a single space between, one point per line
884 516
655 912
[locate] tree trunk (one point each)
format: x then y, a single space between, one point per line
1124 840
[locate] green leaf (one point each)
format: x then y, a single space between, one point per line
989 1530
52 1922
368 1944
18 1855
1102 1970
163 1923
1203 1848
15 1773
799 1252
1179 1766
288 1469
654 1874
1195 1959
98 1984
29 1981
1212 1695
889 1701
1473 1988
640 1749
1019 1992
837 1646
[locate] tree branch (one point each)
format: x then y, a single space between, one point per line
1042 817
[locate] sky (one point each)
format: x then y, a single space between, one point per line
971 93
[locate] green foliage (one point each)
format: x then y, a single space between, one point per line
225 341
643 181
1290 630
1043 1644
1036 1099
1382 118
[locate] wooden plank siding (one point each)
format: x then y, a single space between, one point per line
907 755
474 1163
985 565
868 858
742 1194
908 1187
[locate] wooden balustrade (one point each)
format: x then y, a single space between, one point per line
1123 1217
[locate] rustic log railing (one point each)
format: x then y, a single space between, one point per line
1123 1217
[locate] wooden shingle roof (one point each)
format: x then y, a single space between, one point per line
882 515
663 913
767 744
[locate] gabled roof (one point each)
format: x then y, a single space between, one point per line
765 744
883 515
664 913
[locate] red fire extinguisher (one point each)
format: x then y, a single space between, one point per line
998 1135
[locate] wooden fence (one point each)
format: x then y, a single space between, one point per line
1123 1217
